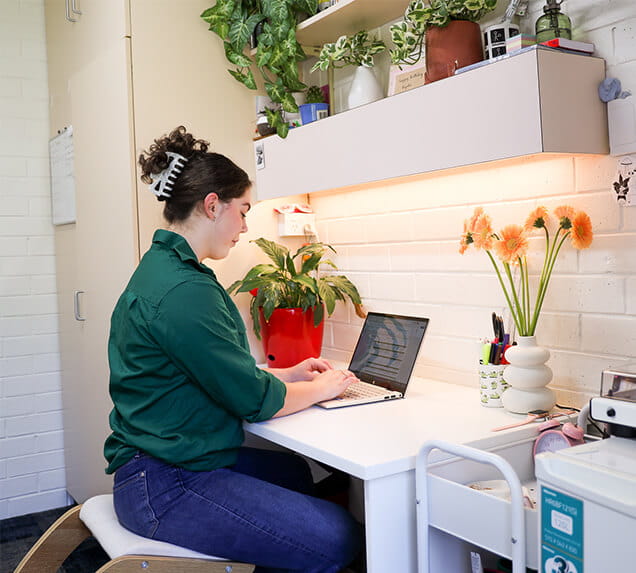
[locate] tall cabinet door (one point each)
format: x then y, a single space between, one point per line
180 77
125 73
90 89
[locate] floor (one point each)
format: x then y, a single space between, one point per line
18 534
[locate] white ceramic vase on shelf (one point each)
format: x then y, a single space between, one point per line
365 88
528 377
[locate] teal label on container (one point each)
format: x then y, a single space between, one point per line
561 532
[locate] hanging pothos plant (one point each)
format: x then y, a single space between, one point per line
277 52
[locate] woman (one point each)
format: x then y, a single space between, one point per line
183 380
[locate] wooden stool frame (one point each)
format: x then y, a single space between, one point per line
64 536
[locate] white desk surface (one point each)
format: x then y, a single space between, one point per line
375 440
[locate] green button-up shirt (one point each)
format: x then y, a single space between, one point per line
182 378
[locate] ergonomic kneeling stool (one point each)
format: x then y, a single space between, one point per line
128 552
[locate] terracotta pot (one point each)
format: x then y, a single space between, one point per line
451 47
290 336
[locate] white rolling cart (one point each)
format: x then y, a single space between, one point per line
446 503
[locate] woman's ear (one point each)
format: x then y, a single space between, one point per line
210 205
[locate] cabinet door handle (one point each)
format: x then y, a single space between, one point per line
67 7
76 305
74 8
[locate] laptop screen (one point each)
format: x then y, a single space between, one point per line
387 349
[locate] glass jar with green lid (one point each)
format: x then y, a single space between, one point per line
553 23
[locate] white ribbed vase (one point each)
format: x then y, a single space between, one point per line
365 88
528 377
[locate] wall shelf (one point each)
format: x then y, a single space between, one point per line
540 101
348 17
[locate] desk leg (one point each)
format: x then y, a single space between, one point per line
389 512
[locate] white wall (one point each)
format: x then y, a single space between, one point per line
31 446
398 242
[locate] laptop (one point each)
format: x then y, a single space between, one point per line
383 359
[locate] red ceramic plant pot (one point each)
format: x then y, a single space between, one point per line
290 336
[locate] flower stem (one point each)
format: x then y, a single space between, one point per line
515 309
525 290
543 286
505 291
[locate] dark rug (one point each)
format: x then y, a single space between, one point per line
18 534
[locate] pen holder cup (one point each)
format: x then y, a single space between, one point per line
492 385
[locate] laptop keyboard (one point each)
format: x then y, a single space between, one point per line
362 390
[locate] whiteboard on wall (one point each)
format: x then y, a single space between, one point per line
62 177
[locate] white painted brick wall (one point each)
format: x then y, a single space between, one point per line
398 243
31 441
402 241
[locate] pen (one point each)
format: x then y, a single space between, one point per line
493 351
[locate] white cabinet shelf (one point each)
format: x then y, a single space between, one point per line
476 516
541 101
348 17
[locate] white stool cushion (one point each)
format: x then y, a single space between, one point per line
98 514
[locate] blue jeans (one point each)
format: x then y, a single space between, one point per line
258 511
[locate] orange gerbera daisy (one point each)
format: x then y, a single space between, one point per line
482 233
537 219
581 232
466 239
565 212
512 244
469 224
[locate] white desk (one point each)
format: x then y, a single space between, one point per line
378 444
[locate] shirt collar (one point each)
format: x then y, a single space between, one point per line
178 244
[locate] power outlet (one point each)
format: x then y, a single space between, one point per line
296 224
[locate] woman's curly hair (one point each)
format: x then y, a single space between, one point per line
204 172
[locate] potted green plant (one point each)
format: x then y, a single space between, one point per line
290 297
315 106
447 28
277 52
357 50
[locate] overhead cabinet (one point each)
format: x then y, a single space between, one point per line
540 101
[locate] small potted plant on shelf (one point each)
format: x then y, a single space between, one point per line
315 106
277 51
357 50
290 297
263 125
448 30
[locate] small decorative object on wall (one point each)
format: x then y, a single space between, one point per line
290 297
527 374
277 51
446 29
553 23
623 186
357 50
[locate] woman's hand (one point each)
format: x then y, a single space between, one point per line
308 369
334 382
325 386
